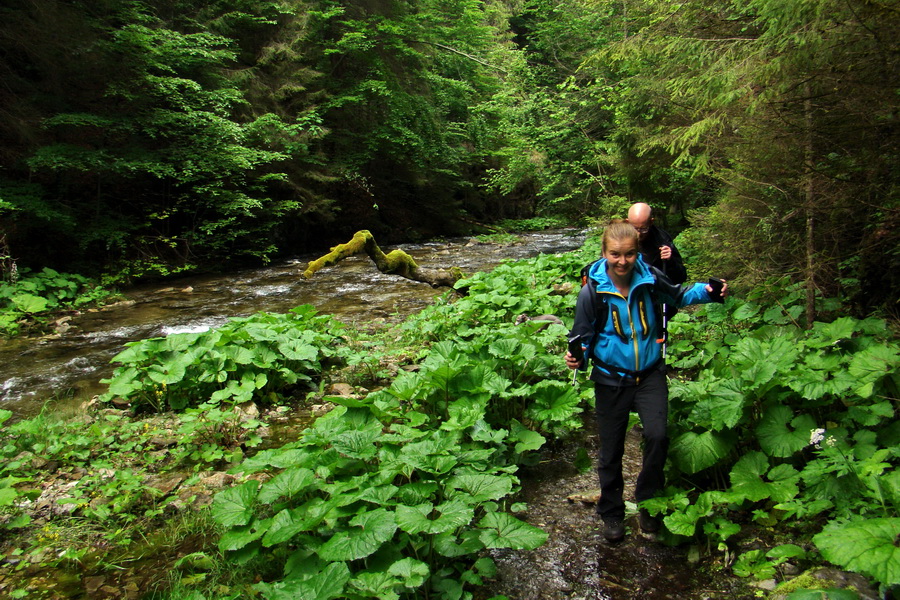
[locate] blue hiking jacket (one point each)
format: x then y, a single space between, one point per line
628 343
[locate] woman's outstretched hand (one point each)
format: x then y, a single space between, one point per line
724 292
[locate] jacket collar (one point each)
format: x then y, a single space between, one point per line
640 276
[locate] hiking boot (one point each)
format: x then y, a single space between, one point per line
649 523
613 530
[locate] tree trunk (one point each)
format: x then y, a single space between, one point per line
810 216
396 262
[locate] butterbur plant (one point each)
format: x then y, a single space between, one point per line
250 358
366 506
747 432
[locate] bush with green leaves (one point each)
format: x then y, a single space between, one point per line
399 493
794 428
499 296
9 494
375 501
262 358
32 296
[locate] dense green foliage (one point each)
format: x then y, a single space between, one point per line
779 432
258 358
150 137
793 429
28 302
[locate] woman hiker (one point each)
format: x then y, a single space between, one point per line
618 327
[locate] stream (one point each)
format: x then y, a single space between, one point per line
69 364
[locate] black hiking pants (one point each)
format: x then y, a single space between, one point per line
650 399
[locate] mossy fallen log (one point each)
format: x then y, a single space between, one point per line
395 262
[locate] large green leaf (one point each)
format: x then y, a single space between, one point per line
783 483
239 354
502 530
288 483
234 506
411 572
464 413
451 545
721 407
752 479
764 358
481 487
871 364
407 572
780 434
405 386
357 443
294 349
431 519
29 303
375 584
692 452
525 438
827 334
238 537
554 401
429 455
325 585
870 547
285 525
368 532
416 492
747 476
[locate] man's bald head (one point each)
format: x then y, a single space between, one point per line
640 216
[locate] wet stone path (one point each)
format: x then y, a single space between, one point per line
576 562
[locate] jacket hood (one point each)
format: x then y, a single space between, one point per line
639 276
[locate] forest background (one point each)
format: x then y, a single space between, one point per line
144 138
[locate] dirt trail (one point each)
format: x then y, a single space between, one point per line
577 563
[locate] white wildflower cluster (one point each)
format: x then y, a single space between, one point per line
816 436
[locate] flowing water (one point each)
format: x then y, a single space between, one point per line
71 363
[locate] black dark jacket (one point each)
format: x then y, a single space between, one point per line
674 267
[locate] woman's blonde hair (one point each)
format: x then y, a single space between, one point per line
620 230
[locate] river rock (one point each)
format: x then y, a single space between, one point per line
121 304
160 441
341 389
247 411
587 497
93 584
216 481
318 410
165 484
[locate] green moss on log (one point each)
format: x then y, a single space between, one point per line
396 262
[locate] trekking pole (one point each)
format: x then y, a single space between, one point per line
665 324
577 352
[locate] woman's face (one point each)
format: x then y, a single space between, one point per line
620 256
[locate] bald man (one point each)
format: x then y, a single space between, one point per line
657 246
